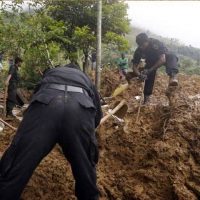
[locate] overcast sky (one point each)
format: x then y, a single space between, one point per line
174 19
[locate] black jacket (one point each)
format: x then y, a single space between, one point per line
72 77
151 54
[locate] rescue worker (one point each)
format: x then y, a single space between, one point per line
65 109
122 65
155 54
94 60
12 82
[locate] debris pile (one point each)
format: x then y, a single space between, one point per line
156 158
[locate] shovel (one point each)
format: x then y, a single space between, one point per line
119 111
122 87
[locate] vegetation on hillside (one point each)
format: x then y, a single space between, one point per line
48 33
53 32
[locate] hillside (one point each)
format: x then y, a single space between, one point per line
156 158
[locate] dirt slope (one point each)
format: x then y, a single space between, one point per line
157 158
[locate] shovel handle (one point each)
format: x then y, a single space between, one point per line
4 100
142 98
112 112
7 124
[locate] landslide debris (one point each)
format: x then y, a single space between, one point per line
156 158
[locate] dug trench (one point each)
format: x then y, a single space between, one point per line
156 158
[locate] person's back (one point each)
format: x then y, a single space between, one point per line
65 109
67 75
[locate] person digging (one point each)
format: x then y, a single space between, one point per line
155 54
65 109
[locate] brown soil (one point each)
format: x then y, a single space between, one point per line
156 158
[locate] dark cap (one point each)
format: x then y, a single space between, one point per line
18 60
141 38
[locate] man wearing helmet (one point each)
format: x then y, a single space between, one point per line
155 54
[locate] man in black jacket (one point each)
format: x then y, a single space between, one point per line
65 109
12 82
155 54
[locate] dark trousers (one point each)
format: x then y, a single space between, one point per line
64 121
13 98
171 69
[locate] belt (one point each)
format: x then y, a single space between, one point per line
68 88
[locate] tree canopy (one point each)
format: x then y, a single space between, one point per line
48 32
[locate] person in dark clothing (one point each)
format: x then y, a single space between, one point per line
155 54
94 60
65 109
12 83
1 60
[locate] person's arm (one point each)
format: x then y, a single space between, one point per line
10 73
97 102
8 79
136 60
159 63
135 69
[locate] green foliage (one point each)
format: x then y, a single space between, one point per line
116 41
36 37
80 16
47 32
83 38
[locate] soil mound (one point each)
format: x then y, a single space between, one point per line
156 158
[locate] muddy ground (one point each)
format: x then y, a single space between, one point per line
156 158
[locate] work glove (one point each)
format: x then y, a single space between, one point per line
144 74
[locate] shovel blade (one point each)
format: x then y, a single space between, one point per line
120 89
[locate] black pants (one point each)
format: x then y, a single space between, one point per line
64 121
171 69
13 98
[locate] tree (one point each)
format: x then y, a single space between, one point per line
83 39
82 13
34 36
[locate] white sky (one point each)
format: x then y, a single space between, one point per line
173 19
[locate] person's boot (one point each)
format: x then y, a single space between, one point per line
146 99
9 115
173 81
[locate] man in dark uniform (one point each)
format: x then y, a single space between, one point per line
12 83
1 60
65 109
155 54
94 59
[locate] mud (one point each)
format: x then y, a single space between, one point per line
156 158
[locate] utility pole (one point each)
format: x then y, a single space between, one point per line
98 53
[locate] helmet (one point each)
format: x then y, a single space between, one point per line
141 38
